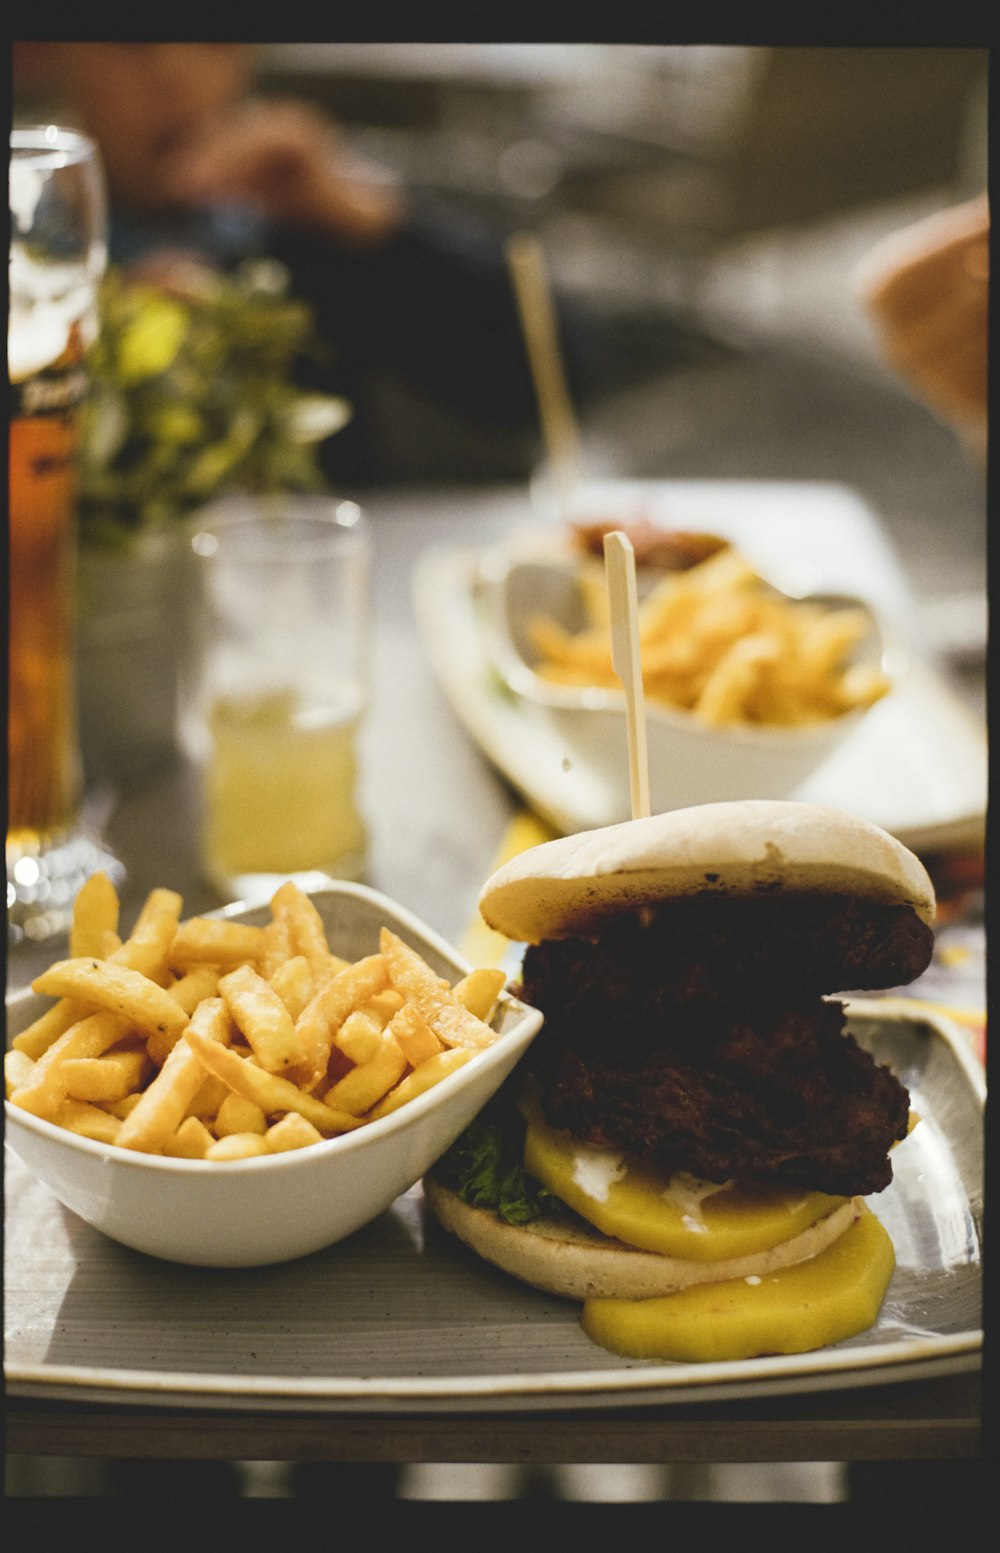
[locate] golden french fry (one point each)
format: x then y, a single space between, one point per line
192 1140
421 1079
360 1036
271 1093
383 1005
277 945
306 931
89 1121
45 1087
191 1003
359 1090
188 991
292 980
216 941
412 976
861 685
120 990
237 1145
48 1027
263 1019
17 1068
292 1132
325 1013
479 990
414 1036
110 1077
95 912
691 629
123 1107
145 948
237 1114
208 1097
164 1104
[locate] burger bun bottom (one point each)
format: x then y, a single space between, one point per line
566 1256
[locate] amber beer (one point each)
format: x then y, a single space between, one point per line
44 776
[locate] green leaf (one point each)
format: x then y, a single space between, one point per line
485 1166
151 340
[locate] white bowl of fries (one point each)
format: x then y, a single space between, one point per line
253 1085
747 689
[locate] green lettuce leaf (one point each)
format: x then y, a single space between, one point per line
485 1166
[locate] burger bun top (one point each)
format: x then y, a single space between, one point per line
564 888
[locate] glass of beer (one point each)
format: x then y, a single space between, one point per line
56 259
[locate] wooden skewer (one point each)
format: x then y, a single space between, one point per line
534 299
619 562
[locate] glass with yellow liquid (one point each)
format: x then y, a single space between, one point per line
275 687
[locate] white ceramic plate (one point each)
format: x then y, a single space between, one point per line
400 1316
916 764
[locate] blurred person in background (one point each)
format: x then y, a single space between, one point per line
200 170
927 291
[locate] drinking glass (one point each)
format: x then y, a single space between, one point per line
56 259
274 687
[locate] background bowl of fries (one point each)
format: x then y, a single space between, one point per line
167 1100
747 689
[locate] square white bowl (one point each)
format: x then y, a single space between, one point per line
689 761
272 1208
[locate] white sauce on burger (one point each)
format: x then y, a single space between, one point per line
596 1170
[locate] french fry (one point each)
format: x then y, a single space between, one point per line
110 1077
277 945
326 1011
306 931
383 1005
48 1027
414 1036
216 941
192 1140
263 1019
360 1036
360 1089
117 988
211 1039
273 1094
692 627
237 1114
479 990
292 1132
95 913
412 976
123 1107
237 1145
293 982
188 991
421 1079
89 1121
45 1086
164 1104
144 950
17 1068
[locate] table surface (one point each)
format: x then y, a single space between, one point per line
433 839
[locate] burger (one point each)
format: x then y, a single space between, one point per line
688 1144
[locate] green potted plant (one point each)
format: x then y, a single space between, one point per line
192 395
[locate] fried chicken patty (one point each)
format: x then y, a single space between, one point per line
712 949
702 1040
793 1101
